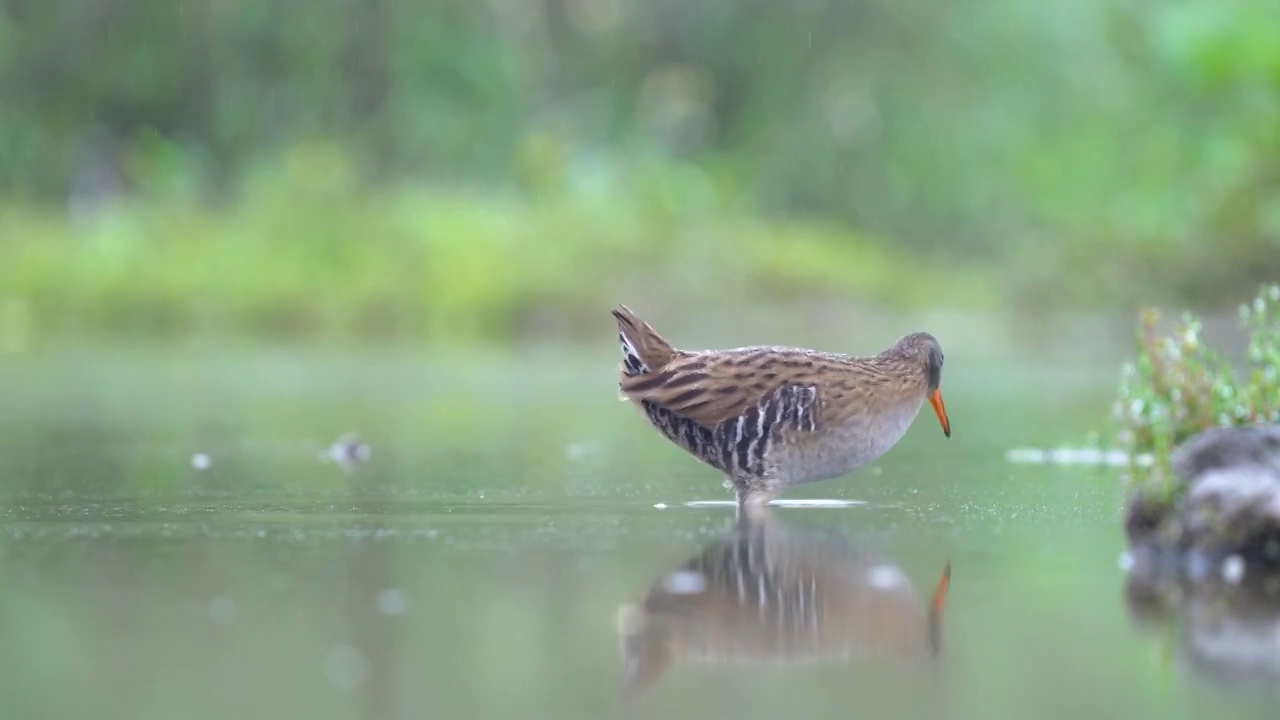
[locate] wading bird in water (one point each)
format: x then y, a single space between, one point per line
770 417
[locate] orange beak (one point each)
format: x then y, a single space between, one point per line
935 399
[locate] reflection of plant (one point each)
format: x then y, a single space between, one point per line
1178 386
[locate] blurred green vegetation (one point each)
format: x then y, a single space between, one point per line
304 249
458 167
1179 386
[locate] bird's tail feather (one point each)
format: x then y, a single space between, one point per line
643 349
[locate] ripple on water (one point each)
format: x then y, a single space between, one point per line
1074 456
781 502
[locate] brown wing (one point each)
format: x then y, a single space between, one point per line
710 388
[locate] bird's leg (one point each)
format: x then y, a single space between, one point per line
752 501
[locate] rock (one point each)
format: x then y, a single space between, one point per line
1205 556
1228 448
1148 515
1224 498
1232 504
1234 511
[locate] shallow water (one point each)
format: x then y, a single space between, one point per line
178 543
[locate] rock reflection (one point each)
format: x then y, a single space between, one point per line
1228 633
767 592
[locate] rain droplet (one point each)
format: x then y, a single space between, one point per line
201 461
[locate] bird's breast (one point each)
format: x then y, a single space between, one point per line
844 442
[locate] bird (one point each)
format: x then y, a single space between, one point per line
772 417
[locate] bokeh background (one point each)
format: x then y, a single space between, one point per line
233 231
490 169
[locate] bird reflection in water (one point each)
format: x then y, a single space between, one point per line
767 592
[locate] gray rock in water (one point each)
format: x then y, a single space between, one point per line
1230 499
1235 511
1205 555
1228 448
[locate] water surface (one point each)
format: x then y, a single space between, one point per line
177 544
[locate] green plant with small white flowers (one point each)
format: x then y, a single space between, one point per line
1178 386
